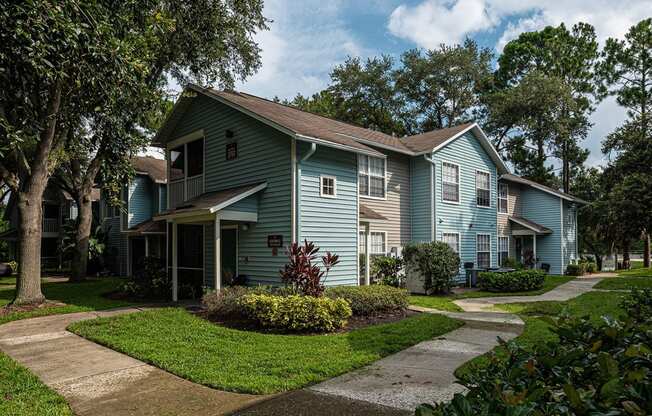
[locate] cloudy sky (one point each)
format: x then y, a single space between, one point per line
309 37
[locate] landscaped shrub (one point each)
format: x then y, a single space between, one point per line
591 267
386 270
13 265
576 269
151 282
638 304
436 262
590 370
302 272
512 263
371 300
296 313
518 281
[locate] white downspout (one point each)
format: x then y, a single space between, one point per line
433 233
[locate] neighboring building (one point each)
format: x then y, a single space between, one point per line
58 207
132 234
248 176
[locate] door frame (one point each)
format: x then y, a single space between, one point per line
237 246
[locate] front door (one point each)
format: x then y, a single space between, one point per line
190 245
137 254
229 255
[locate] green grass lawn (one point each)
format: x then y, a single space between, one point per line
251 362
78 297
445 303
638 278
537 332
23 394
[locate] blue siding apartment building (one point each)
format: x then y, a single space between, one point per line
245 177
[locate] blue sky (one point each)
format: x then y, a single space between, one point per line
308 37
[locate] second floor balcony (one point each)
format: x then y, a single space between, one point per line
184 189
186 170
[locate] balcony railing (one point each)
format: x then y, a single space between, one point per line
185 189
50 225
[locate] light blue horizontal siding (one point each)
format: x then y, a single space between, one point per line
141 194
263 156
466 218
249 204
331 223
545 209
420 199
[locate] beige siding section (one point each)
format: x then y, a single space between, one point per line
396 207
513 209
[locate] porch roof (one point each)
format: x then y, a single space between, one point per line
367 213
530 225
211 202
148 227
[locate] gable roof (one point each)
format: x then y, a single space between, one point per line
515 178
531 225
152 167
425 142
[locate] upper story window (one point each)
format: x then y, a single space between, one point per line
453 241
503 198
178 163
195 157
371 176
482 188
328 186
187 160
450 182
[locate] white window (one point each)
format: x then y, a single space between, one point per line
483 250
371 176
328 186
453 241
378 243
450 182
482 188
362 242
503 250
503 198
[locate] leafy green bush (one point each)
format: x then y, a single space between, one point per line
436 261
296 313
151 282
386 270
638 304
512 263
518 281
591 267
371 300
578 269
13 265
591 370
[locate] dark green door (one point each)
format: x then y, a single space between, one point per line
229 255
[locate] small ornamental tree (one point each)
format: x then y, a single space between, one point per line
436 261
302 272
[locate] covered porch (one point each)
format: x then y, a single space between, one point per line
525 234
372 240
203 238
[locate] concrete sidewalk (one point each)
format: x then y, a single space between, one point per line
99 381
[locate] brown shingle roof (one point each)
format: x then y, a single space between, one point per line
425 142
149 227
152 167
539 229
369 214
518 179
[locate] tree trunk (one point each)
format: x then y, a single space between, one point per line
82 236
646 250
626 262
28 284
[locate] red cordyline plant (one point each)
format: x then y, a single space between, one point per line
301 272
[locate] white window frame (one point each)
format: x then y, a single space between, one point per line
500 251
321 186
369 175
477 235
476 188
455 233
459 180
371 246
506 199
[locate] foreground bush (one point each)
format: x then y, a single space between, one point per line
386 270
296 313
151 282
435 262
592 370
576 269
518 281
371 300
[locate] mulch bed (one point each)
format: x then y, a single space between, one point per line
355 322
9 309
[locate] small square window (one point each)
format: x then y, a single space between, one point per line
231 151
328 186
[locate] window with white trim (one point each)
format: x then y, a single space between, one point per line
328 186
362 242
371 176
503 198
453 241
450 182
483 250
503 250
378 243
482 188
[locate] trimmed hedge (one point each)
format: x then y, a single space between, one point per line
517 281
296 313
576 269
371 300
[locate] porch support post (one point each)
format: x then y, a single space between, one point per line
175 272
367 252
218 253
534 248
146 246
